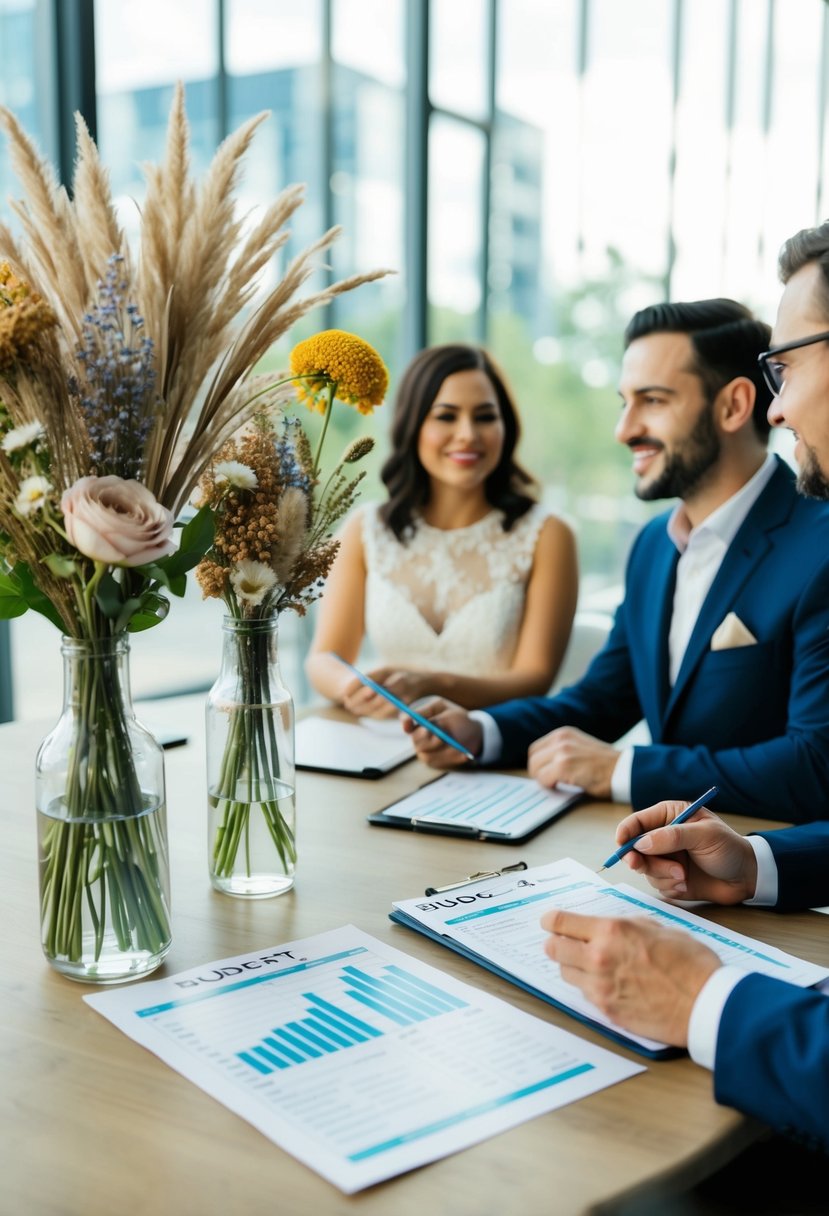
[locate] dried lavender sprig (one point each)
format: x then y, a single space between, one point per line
117 397
291 469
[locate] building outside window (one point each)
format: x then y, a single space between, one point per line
583 158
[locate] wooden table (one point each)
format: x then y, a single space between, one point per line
93 1125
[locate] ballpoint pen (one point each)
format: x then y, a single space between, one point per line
404 708
681 817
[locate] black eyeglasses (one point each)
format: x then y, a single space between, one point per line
774 373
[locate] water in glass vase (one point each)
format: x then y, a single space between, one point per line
105 894
252 849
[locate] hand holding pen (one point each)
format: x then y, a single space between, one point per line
700 858
685 813
402 707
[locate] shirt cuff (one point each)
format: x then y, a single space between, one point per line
704 1024
492 744
621 776
765 893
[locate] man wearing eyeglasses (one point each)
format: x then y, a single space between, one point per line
766 1041
722 640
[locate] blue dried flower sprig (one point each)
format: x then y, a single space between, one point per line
291 470
118 395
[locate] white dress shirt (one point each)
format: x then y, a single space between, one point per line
704 1025
701 550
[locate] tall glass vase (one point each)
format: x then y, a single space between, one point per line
250 766
102 830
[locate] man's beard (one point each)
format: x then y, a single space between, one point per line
686 469
810 479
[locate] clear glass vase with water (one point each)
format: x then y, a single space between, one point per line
250 766
102 831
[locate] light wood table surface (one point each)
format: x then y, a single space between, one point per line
94 1125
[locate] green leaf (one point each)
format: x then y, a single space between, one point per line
196 538
34 597
109 596
143 621
60 565
12 602
151 610
197 534
128 610
156 571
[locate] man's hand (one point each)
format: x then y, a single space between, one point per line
640 975
456 722
700 859
569 755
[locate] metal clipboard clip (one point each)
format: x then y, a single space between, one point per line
482 874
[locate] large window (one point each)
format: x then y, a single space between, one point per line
22 77
563 165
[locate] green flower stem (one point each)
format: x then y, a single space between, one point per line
103 856
329 405
278 383
251 764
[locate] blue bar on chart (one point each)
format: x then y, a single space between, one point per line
397 995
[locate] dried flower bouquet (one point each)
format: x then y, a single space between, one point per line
272 551
122 373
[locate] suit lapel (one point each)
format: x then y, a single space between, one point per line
745 552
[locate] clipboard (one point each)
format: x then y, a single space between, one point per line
617 1035
494 921
479 806
349 749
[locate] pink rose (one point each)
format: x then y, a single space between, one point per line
112 520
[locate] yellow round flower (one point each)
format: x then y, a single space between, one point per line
343 359
24 316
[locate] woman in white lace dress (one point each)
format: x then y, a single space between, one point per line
464 586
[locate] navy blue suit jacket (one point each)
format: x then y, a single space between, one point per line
772 1056
753 720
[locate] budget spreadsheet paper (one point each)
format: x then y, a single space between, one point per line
359 1060
495 922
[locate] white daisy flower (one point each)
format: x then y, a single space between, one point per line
21 437
252 581
32 495
235 474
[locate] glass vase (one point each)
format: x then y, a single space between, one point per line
102 830
250 766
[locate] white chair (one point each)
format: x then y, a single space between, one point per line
590 630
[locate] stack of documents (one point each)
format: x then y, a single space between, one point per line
495 922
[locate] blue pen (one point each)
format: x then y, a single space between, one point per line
681 817
406 709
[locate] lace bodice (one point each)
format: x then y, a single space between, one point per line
448 601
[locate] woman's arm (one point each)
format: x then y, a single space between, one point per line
549 609
340 620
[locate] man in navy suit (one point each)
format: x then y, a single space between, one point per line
766 1041
722 640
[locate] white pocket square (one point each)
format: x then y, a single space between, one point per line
732 633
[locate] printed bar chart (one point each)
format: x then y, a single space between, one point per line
397 995
402 1064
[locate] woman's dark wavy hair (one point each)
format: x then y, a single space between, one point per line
509 488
